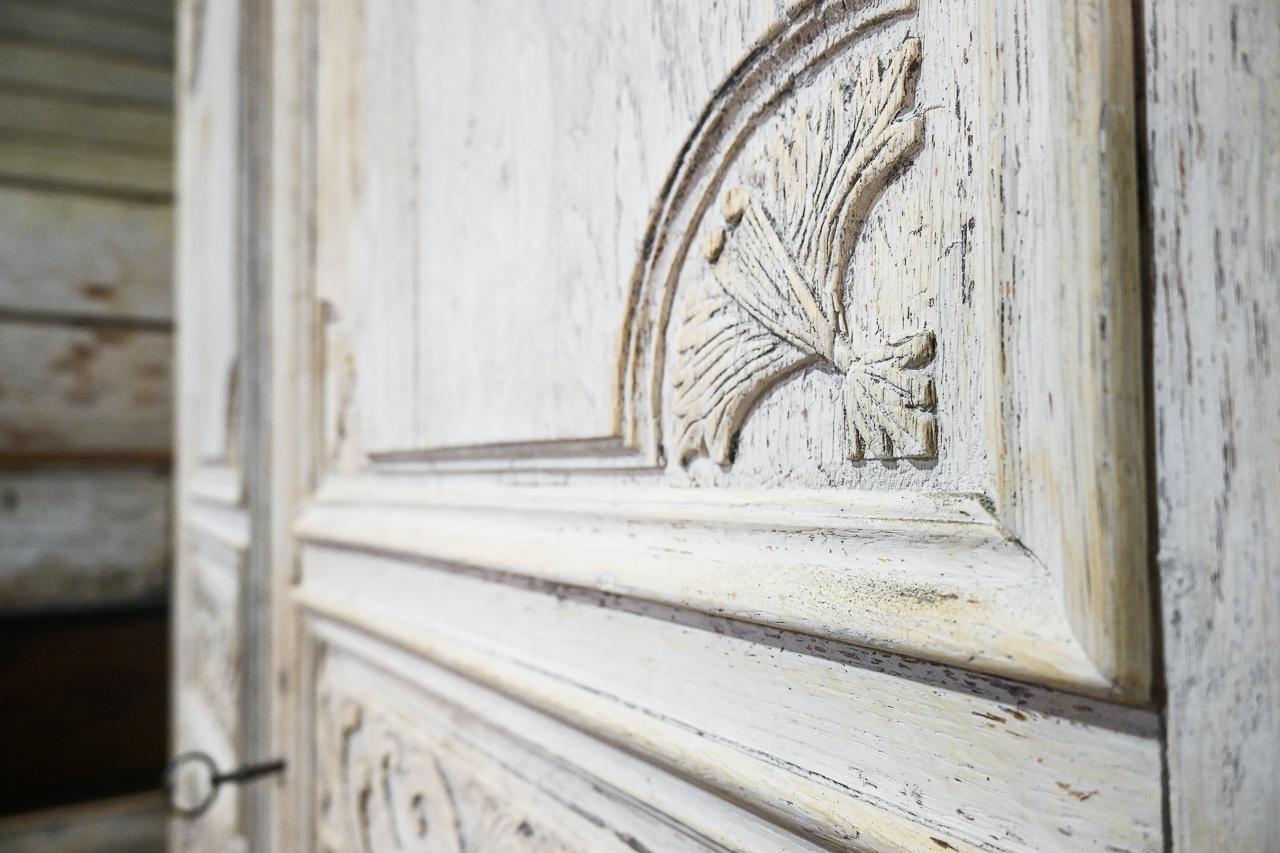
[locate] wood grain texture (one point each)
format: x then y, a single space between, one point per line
519 749
75 539
452 511
776 301
854 750
402 769
494 231
85 344
961 293
93 390
929 578
223 595
135 823
84 75
73 257
1213 115
66 25
210 251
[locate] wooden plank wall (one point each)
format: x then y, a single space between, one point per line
1213 120
86 127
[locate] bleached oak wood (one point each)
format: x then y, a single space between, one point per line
459 783
1213 115
775 303
881 571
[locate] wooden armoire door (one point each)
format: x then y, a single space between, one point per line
222 625
689 426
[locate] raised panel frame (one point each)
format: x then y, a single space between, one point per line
360 559
1044 581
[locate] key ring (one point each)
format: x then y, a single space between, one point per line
192 779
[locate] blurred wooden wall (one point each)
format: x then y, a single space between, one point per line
86 132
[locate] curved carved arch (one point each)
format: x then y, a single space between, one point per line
888 405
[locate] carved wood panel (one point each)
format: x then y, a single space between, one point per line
775 303
841 289
764 375
399 768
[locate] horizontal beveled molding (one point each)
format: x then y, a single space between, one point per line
843 746
220 524
929 576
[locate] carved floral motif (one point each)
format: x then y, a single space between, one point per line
382 788
776 300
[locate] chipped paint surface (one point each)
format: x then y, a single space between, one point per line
1213 87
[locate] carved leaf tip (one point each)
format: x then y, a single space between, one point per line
775 300
889 404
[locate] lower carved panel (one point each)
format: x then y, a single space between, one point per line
210 676
399 769
386 788
211 634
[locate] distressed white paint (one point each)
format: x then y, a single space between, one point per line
816 735
755 627
1214 173
221 702
482 210
210 249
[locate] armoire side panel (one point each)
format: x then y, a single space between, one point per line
1213 174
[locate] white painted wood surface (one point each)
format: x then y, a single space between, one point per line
492 564
818 736
1213 115
221 595
455 509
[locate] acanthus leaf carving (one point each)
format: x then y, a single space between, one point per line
386 786
775 301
